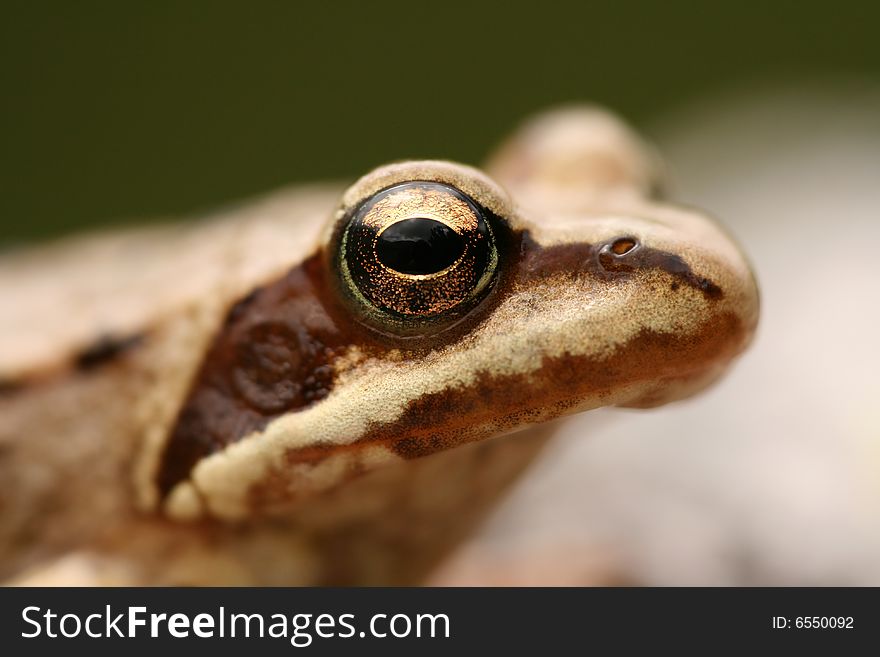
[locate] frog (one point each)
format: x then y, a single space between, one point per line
334 385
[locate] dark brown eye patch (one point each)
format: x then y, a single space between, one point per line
416 254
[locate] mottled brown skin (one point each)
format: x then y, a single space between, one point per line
231 412
298 311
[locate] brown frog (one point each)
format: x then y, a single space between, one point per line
323 386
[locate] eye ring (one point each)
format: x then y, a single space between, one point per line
417 256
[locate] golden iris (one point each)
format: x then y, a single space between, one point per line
416 252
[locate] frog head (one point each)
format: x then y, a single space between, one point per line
444 305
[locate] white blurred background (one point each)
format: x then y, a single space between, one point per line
773 476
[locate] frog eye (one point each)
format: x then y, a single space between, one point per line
416 255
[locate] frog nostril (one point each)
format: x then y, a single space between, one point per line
623 245
610 254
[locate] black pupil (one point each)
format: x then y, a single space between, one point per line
419 246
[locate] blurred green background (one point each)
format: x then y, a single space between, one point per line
116 112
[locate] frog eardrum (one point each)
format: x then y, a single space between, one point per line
417 256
